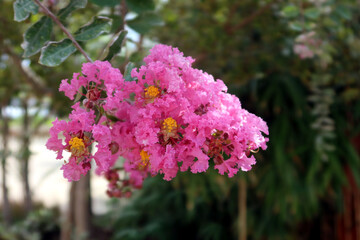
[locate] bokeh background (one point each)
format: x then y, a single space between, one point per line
294 63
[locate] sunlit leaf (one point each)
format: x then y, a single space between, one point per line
56 52
98 26
36 36
23 8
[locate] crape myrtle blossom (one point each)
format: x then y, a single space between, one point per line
77 140
172 118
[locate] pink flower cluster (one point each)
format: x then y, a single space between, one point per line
173 117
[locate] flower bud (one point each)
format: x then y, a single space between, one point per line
114 147
93 94
218 159
88 104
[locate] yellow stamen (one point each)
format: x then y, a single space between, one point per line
152 92
169 124
144 158
77 146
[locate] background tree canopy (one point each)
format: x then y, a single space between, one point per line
294 63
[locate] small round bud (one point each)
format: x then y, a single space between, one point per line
218 159
114 147
88 104
93 94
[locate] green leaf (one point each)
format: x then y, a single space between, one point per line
36 36
90 31
56 52
312 13
112 118
106 3
115 48
290 11
296 26
144 22
140 6
117 23
343 12
79 95
23 8
127 75
72 6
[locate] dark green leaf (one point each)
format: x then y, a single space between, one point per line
72 6
140 6
290 11
90 31
117 23
144 22
115 48
79 94
36 36
56 52
127 75
112 118
104 3
312 13
343 12
23 8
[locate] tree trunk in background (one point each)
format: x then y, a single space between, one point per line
6 211
24 160
78 216
82 208
349 221
68 223
242 208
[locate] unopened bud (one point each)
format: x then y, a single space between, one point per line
218 159
231 147
93 94
114 147
88 104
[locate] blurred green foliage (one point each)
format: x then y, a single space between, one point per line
40 224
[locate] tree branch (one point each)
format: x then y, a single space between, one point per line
38 87
63 28
242 208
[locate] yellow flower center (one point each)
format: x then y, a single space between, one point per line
77 146
144 159
152 92
169 124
